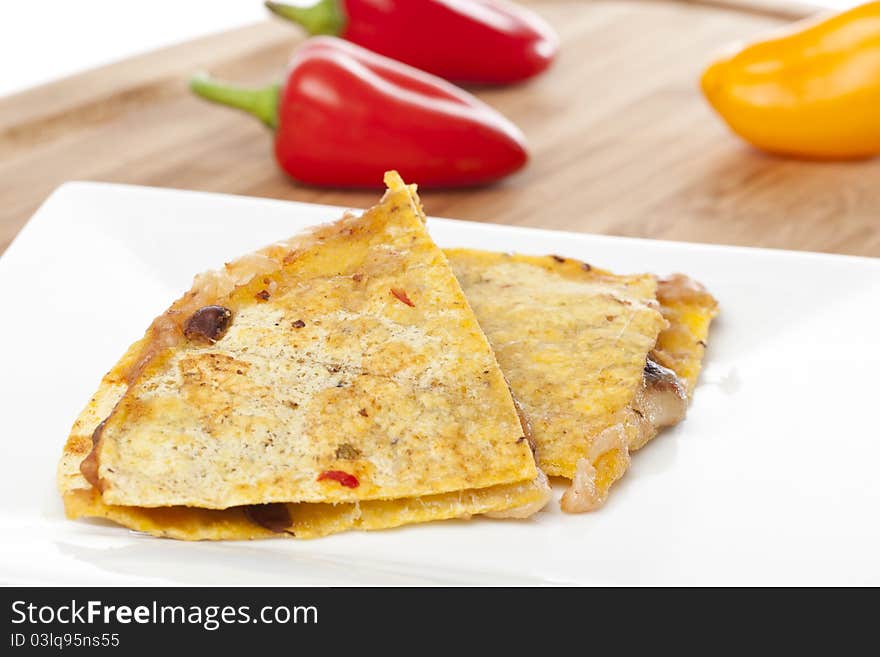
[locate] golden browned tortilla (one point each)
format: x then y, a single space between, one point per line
339 380
574 343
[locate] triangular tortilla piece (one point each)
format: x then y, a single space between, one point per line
351 369
667 380
572 341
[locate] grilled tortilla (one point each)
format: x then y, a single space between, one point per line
337 380
574 342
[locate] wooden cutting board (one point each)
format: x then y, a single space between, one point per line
622 141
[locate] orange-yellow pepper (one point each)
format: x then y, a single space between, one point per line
812 91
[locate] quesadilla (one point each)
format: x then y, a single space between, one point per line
337 380
596 363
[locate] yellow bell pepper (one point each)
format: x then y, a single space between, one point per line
812 91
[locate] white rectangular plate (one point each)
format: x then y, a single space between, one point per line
772 479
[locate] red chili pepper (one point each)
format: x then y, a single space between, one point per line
346 115
476 41
343 478
401 296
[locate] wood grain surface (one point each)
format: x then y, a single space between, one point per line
622 141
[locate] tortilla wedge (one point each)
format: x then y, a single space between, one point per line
335 381
574 342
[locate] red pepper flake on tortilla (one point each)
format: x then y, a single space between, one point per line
343 478
401 296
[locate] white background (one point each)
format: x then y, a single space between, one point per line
42 40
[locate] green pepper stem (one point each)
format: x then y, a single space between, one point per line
320 17
262 103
